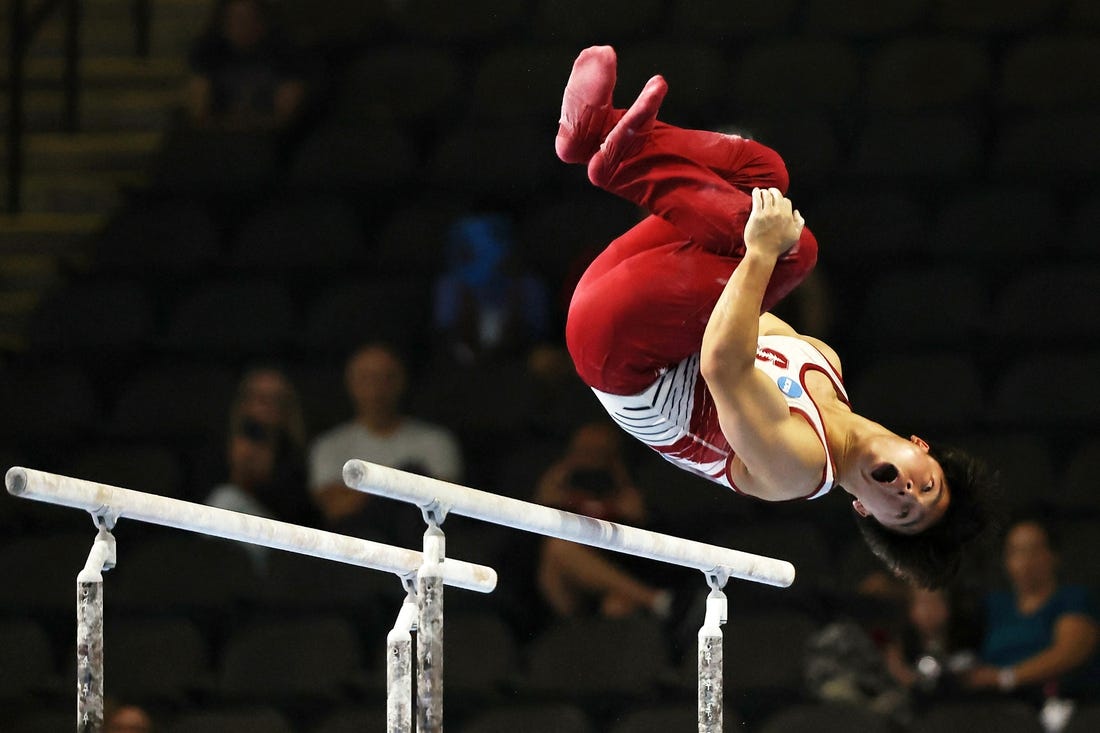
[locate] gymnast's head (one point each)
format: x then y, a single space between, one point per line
919 506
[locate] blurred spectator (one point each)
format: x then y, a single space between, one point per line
486 304
592 479
376 381
936 643
126 718
1041 635
244 73
260 467
250 456
844 665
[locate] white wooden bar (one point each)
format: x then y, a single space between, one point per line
115 502
454 498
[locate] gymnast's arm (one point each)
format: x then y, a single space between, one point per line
779 456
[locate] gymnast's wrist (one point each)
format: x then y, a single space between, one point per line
1006 679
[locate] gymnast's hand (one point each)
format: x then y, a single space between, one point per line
774 225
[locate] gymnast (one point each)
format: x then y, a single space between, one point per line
670 328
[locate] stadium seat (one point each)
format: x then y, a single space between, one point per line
1050 390
890 227
395 82
822 718
865 18
44 721
351 313
669 718
500 174
336 24
177 401
234 720
1047 147
922 391
51 403
235 318
165 662
473 22
697 74
149 468
411 241
531 718
354 720
46 566
1078 487
26 660
1080 240
720 21
898 308
927 72
1082 13
207 164
1027 81
1022 462
174 237
524 81
480 655
353 157
203 577
802 74
996 227
103 318
298 583
979 717
300 237
1078 551
808 141
597 658
578 23
928 148
302 664
1048 306
992 17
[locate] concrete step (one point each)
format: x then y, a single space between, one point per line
98 72
102 152
65 236
101 110
107 26
71 193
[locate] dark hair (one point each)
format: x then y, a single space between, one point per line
931 558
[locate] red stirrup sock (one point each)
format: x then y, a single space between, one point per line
586 104
630 131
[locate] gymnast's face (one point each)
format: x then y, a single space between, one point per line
900 485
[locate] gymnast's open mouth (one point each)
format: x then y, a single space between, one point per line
884 473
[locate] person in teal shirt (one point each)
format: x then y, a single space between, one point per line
1041 635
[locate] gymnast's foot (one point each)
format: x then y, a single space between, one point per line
586 104
624 137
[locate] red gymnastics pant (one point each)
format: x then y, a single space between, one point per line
644 302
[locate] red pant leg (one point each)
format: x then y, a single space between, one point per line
644 302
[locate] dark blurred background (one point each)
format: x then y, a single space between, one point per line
944 152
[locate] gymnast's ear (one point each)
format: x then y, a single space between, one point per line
919 442
860 509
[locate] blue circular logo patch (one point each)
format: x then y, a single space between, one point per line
789 387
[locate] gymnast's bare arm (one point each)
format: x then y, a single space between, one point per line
778 455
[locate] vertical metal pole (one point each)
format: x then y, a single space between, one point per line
399 703
72 66
18 31
89 633
710 662
429 633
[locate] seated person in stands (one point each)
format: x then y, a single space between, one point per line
592 479
244 73
1041 634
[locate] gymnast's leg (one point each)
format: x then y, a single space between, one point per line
644 302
